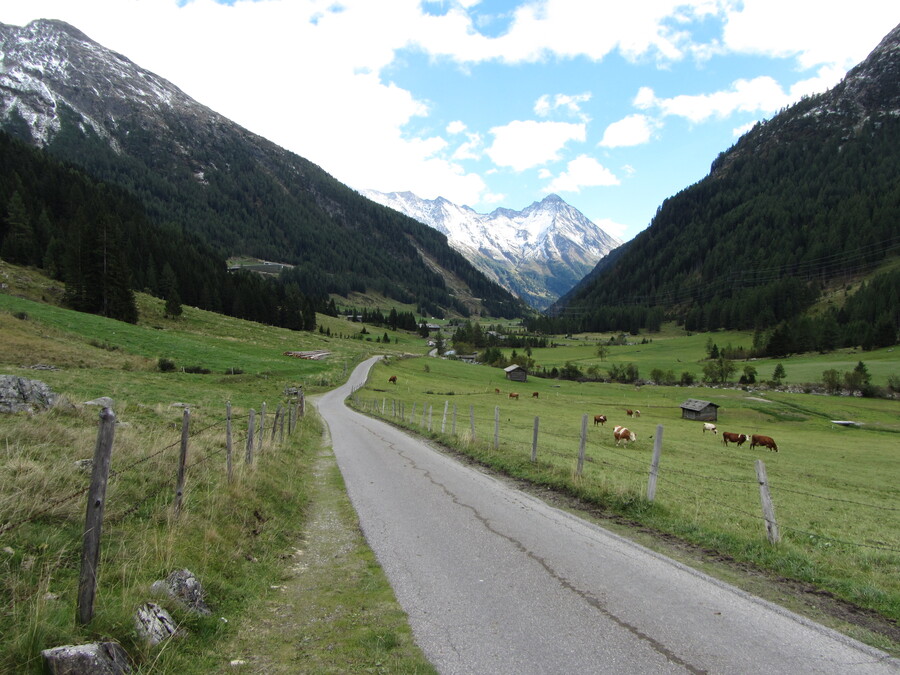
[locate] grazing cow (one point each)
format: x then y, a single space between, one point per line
637 413
623 434
599 419
534 394
728 437
708 426
392 379
629 412
514 395
764 441
496 391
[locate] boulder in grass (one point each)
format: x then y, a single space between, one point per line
18 394
154 624
184 587
97 658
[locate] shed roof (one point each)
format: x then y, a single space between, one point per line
697 404
513 367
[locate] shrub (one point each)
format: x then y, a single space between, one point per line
165 365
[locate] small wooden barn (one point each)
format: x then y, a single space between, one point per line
695 409
516 373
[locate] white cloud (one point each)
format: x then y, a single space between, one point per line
526 144
629 131
569 104
456 127
839 37
471 149
583 171
617 230
759 95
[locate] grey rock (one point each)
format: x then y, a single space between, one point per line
154 624
97 658
18 394
103 402
184 587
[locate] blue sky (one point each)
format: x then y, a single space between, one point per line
612 105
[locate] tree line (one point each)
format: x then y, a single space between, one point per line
98 240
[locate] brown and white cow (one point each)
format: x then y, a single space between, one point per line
765 441
599 419
709 426
624 434
534 394
729 437
392 379
514 395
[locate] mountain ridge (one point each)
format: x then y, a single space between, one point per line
90 106
538 252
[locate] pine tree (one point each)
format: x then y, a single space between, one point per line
19 245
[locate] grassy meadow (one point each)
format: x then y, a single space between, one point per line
835 489
237 537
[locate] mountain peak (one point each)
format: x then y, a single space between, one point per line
538 253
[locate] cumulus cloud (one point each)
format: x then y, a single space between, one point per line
522 145
583 171
571 105
759 95
632 130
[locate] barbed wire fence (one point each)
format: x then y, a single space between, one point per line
461 424
215 432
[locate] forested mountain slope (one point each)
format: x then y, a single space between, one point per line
807 198
241 193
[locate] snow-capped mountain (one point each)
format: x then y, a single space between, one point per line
538 253
239 192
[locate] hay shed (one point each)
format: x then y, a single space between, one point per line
516 373
695 409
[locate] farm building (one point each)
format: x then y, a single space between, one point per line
695 409
516 373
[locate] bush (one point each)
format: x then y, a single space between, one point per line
165 365
197 370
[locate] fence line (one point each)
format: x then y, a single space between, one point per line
657 476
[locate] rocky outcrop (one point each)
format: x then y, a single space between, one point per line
98 658
18 394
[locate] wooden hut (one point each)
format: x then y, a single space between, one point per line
695 409
516 373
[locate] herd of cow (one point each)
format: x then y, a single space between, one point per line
623 434
740 439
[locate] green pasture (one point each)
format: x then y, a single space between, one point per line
236 536
676 350
836 489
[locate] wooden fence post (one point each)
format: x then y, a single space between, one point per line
93 520
412 415
534 440
251 428
496 427
430 410
444 418
581 445
654 464
182 460
262 429
472 421
281 426
302 404
275 423
229 469
767 506
454 420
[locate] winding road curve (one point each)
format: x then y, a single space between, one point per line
496 581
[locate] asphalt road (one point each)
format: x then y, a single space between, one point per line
497 581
